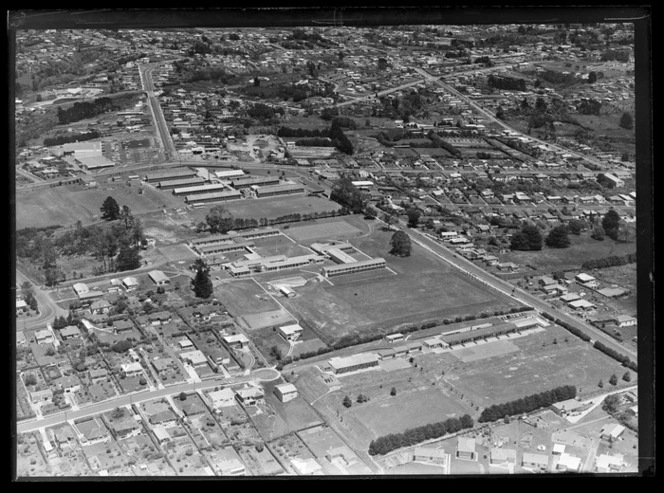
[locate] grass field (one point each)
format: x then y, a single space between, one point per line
407 410
329 229
534 368
272 208
67 204
425 288
582 248
278 245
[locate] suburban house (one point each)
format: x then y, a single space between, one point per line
185 343
502 455
44 336
249 396
160 413
193 406
80 288
21 307
100 307
237 341
228 462
586 281
341 455
535 461
608 463
132 369
43 395
625 321
89 297
466 448
558 449
611 432
568 462
130 283
290 332
286 392
204 312
161 434
121 326
159 278
93 431
159 318
70 332
581 305
195 358
428 454
162 364
222 398
125 427
98 375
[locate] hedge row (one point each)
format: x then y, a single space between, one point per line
612 261
621 358
527 404
388 443
581 335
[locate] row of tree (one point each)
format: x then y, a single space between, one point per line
219 221
71 137
443 144
527 404
82 110
612 261
388 443
621 358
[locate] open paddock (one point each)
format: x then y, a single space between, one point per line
177 253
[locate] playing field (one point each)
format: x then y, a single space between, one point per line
278 245
321 231
67 204
272 208
407 410
245 297
534 368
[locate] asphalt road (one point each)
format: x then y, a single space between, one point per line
157 114
264 374
48 309
520 295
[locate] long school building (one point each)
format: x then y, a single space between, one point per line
239 183
181 183
353 363
200 189
351 268
172 174
273 190
204 198
247 235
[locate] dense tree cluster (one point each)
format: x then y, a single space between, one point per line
615 55
527 404
529 238
506 83
589 107
611 261
611 224
400 244
71 137
388 443
348 195
82 110
201 283
555 77
626 121
558 237
110 210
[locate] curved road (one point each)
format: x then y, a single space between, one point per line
48 309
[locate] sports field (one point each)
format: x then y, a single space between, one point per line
323 230
67 204
407 410
278 245
538 365
272 208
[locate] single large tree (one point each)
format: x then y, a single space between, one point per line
400 243
128 259
626 121
558 238
127 217
611 223
413 215
202 284
110 209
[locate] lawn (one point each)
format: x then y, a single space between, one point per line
278 245
324 230
245 297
